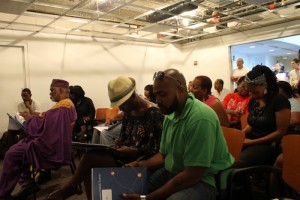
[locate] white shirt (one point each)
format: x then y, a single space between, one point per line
35 106
282 76
240 72
222 94
294 77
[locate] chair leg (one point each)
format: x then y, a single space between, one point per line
73 168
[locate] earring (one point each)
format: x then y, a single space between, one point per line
266 91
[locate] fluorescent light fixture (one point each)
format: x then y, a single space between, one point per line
185 22
288 53
271 50
252 47
79 21
195 26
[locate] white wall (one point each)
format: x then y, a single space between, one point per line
92 62
88 62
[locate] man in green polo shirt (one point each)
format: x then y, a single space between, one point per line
192 148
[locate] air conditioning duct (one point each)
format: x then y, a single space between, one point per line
172 10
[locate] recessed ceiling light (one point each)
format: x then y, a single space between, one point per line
271 50
251 47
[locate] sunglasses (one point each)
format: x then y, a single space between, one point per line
161 75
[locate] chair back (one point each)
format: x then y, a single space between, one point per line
235 140
291 161
244 121
111 112
101 114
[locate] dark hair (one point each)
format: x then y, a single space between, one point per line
258 70
26 90
77 91
220 81
296 60
241 79
205 83
150 89
287 88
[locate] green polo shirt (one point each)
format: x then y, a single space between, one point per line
195 138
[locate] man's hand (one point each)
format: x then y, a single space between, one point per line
26 115
132 164
131 196
27 104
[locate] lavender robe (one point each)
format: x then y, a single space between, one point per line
48 144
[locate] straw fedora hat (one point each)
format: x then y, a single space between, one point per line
120 90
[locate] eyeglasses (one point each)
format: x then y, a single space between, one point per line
161 75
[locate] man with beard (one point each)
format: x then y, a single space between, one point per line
47 143
192 149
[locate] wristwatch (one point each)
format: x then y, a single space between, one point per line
142 197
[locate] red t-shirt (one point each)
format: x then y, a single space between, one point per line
234 101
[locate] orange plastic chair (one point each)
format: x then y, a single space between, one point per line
244 121
234 139
291 162
100 115
111 113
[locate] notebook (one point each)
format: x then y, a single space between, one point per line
111 183
15 123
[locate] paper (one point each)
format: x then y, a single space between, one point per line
111 183
102 127
14 123
107 194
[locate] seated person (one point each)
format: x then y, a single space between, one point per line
236 103
85 109
268 119
192 149
47 143
108 137
202 90
140 136
14 133
148 93
28 104
286 89
219 91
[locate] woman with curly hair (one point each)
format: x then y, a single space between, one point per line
268 119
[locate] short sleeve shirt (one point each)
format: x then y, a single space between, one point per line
195 138
263 120
35 106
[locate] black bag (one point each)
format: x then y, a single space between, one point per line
8 139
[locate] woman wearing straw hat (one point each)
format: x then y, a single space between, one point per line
140 136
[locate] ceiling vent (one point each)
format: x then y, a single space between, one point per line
172 10
16 7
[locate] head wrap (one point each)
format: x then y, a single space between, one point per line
256 81
60 83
